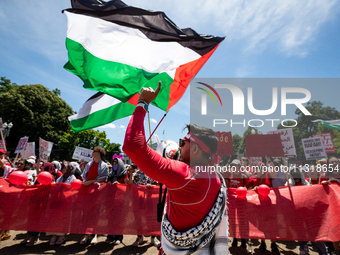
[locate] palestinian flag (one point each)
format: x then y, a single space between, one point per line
332 124
99 110
118 49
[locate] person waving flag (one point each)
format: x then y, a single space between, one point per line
118 49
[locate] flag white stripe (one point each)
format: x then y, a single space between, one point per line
112 42
334 122
96 104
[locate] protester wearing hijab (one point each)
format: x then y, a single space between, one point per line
68 176
77 172
119 172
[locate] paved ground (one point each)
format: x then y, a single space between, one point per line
71 246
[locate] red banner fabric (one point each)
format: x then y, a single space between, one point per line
305 213
105 209
225 144
264 145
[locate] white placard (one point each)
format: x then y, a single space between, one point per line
287 140
1 126
254 160
313 148
82 153
43 149
29 150
2 145
50 145
21 144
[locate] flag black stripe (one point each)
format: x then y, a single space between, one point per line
155 25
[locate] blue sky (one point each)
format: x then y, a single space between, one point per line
264 39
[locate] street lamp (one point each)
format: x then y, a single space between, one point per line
7 128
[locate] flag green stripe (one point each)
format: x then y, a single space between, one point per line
102 117
116 79
331 126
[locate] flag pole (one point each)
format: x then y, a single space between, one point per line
157 126
149 131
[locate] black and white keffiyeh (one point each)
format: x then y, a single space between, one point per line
199 237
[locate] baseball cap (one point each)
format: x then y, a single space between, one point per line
236 162
277 161
2 151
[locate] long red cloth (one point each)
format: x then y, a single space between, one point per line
295 213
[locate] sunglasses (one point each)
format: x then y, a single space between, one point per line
96 151
18 164
182 142
244 159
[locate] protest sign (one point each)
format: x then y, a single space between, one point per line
313 148
254 160
327 142
43 150
82 153
287 140
29 150
21 144
264 145
50 145
2 145
225 144
157 138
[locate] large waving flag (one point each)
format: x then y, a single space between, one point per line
118 49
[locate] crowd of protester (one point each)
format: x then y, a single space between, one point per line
240 173
88 172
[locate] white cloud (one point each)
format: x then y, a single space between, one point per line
245 71
153 120
110 125
121 126
290 26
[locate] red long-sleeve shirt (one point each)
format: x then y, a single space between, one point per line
190 194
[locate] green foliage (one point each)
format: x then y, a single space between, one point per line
34 110
237 141
305 128
87 139
56 92
6 85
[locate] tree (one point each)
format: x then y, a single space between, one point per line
56 92
34 110
305 128
6 85
86 139
237 141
